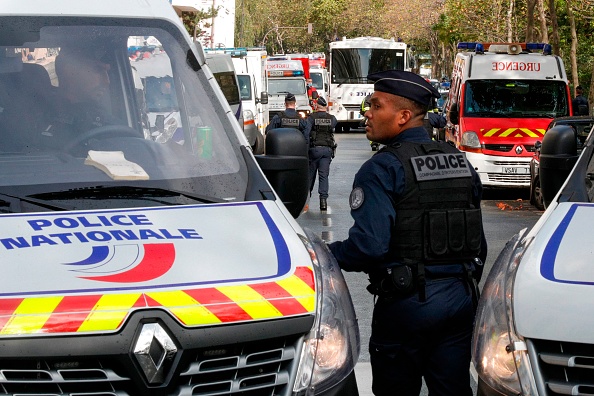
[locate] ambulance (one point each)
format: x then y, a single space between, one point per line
501 99
286 76
136 263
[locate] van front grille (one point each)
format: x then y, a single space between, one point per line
564 368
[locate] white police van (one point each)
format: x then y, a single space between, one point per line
147 258
533 333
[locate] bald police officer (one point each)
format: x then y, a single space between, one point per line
289 118
319 132
418 234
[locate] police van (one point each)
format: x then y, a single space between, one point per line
501 99
533 333
286 76
137 263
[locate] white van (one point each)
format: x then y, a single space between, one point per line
139 262
533 333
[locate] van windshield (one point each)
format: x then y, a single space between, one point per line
285 85
515 98
92 105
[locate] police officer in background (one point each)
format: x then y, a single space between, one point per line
418 234
319 132
580 103
289 118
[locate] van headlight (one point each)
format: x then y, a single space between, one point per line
499 354
331 349
470 142
248 117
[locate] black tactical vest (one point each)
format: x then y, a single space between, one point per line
437 222
289 121
322 133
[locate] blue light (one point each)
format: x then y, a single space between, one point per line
548 49
479 49
467 46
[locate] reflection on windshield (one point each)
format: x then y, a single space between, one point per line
91 105
536 98
353 65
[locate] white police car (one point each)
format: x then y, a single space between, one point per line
533 333
147 255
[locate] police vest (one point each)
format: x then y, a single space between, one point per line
321 132
289 121
437 222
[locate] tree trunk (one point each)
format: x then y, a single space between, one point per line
591 92
544 30
509 23
573 51
530 5
555 25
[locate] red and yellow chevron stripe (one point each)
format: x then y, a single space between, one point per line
514 132
294 295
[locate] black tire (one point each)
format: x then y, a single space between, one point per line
536 195
258 147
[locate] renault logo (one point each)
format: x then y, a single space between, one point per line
155 352
519 150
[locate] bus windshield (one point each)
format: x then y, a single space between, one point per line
511 98
352 65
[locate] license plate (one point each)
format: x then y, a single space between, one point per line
515 170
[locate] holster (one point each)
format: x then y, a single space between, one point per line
397 281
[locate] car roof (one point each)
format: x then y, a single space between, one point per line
108 8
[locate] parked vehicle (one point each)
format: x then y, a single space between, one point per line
286 76
533 333
137 263
351 60
582 126
501 99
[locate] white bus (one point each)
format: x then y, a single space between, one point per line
351 60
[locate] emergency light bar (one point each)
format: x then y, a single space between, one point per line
285 73
509 48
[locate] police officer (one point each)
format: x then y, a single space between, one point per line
418 234
289 118
580 103
319 132
433 119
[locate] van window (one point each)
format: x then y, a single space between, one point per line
72 89
245 88
317 81
524 98
228 85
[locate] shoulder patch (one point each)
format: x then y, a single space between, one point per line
357 197
441 166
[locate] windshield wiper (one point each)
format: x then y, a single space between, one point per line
124 192
33 201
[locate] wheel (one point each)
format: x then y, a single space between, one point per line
346 128
536 195
258 147
105 131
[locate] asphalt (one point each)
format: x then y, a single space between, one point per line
363 374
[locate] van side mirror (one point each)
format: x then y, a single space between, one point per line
454 113
326 87
286 166
263 98
558 155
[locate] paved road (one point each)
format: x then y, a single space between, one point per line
505 212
